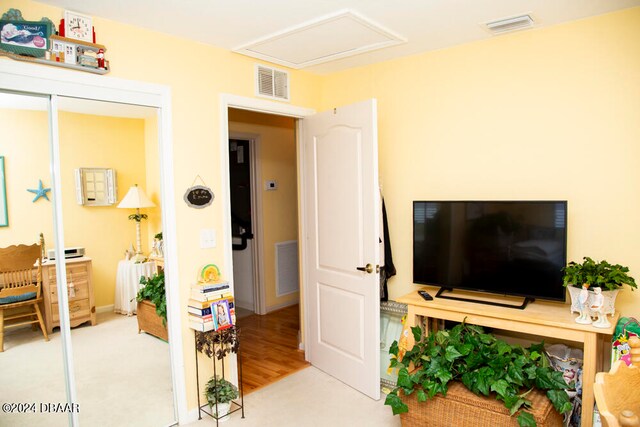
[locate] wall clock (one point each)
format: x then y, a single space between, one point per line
78 26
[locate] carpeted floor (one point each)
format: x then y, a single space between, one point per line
123 378
309 398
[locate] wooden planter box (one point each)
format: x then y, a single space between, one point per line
149 321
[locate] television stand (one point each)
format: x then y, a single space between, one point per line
543 319
516 305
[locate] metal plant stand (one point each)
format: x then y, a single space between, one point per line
217 345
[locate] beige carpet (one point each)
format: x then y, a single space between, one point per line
309 398
123 378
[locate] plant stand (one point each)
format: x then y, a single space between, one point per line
216 345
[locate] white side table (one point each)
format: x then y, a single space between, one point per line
128 284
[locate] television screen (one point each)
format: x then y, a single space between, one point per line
503 247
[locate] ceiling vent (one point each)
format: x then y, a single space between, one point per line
327 38
272 83
508 25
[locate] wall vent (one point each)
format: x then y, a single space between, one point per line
507 25
272 83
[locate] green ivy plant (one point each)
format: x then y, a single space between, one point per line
220 390
153 290
597 274
483 363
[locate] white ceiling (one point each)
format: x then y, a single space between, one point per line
425 24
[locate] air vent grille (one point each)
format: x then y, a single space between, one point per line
272 83
510 24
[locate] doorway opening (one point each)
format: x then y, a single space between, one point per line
263 191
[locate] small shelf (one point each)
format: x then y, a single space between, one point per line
53 63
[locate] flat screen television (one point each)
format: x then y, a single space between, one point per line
514 248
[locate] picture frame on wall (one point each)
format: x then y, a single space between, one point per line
4 211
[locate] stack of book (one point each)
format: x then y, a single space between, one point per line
211 307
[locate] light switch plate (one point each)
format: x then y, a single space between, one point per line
207 238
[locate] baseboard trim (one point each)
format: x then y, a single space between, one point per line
283 305
105 308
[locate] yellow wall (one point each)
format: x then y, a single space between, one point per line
543 114
197 74
105 231
25 145
85 141
277 159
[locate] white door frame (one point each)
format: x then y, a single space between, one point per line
43 80
259 297
269 107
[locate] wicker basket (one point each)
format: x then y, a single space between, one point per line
462 408
149 321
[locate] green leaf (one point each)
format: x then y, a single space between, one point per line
404 380
431 387
534 355
442 337
422 396
546 379
500 387
444 375
514 375
464 349
503 348
417 333
451 353
560 400
396 404
525 419
484 379
394 348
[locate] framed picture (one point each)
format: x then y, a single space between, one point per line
28 38
4 211
221 314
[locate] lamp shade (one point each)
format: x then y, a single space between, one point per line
136 199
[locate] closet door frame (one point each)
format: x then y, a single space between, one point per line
32 79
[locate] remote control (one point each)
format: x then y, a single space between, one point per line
425 295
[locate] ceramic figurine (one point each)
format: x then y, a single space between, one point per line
597 305
583 299
101 58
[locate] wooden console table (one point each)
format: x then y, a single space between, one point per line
539 318
82 307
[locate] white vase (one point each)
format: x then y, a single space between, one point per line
607 308
223 411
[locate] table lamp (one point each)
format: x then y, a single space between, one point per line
136 199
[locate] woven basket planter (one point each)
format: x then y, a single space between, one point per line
149 321
462 408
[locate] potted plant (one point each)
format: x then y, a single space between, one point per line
152 306
220 393
480 361
591 274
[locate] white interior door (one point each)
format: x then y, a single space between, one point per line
342 215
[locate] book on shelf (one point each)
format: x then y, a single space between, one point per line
209 287
200 319
204 311
209 296
202 327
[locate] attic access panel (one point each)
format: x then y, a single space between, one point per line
322 40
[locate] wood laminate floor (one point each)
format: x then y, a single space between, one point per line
270 347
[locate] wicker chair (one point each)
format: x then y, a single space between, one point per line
616 392
20 287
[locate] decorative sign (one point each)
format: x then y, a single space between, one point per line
198 196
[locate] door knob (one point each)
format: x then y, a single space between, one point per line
368 268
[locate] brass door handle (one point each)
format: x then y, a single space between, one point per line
368 268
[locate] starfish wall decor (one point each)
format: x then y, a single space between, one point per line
39 192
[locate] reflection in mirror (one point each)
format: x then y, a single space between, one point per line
123 377
31 366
